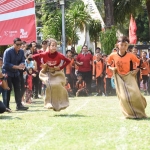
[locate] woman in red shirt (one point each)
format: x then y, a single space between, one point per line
132 102
53 77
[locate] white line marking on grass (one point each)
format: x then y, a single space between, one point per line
38 137
79 108
43 134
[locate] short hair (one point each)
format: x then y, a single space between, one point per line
51 40
44 42
98 48
144 52
123 39
24 42
79 75
68 51
16 39
84 46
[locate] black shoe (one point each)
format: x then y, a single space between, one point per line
36 97
21 107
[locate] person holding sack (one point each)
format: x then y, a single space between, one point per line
53 77
131 100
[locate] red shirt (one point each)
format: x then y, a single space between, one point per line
86 62
29 81
52 59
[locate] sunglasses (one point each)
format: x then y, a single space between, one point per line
18 44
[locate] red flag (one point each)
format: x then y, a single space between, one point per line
132 31
17 19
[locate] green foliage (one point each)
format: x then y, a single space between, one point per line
142 27
94 30
124 8
108 40
79 48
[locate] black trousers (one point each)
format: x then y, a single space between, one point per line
22 85
100 84
87 77
108 86
2 108
35 87
40 86
15 81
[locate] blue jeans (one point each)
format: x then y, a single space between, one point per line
4 95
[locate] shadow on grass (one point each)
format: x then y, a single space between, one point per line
69 115
9 117
141 119
37 102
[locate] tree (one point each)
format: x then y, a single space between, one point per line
108 40
94 30
123 10
79 18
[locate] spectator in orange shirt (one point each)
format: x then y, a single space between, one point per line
69 68
109 75
68 88
144 71
97 50
98 74
135 52
81 86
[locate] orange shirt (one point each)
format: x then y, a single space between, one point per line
98 68
122 62
94 57
69 66
145 65
80 85
67 86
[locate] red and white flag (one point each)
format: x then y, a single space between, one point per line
17 19
132 31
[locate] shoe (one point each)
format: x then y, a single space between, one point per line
103 94
97 94
8 110
21 107
36 97
39 96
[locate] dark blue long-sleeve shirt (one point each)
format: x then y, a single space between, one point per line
11 58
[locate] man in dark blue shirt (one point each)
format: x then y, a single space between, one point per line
13 61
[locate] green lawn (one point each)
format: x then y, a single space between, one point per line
89 123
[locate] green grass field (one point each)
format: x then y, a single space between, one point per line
89 123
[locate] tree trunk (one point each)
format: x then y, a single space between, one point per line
148 11
95 41
109 18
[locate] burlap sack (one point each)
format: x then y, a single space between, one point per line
56 95
132 102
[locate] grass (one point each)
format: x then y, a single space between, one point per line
89 123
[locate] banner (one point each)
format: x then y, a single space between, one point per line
132 31
17 19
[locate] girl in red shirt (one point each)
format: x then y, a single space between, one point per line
28 86
53 77
132 102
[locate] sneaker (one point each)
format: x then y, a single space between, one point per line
39 96
97 94
21 107
103 94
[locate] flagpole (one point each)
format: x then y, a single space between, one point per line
62 3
